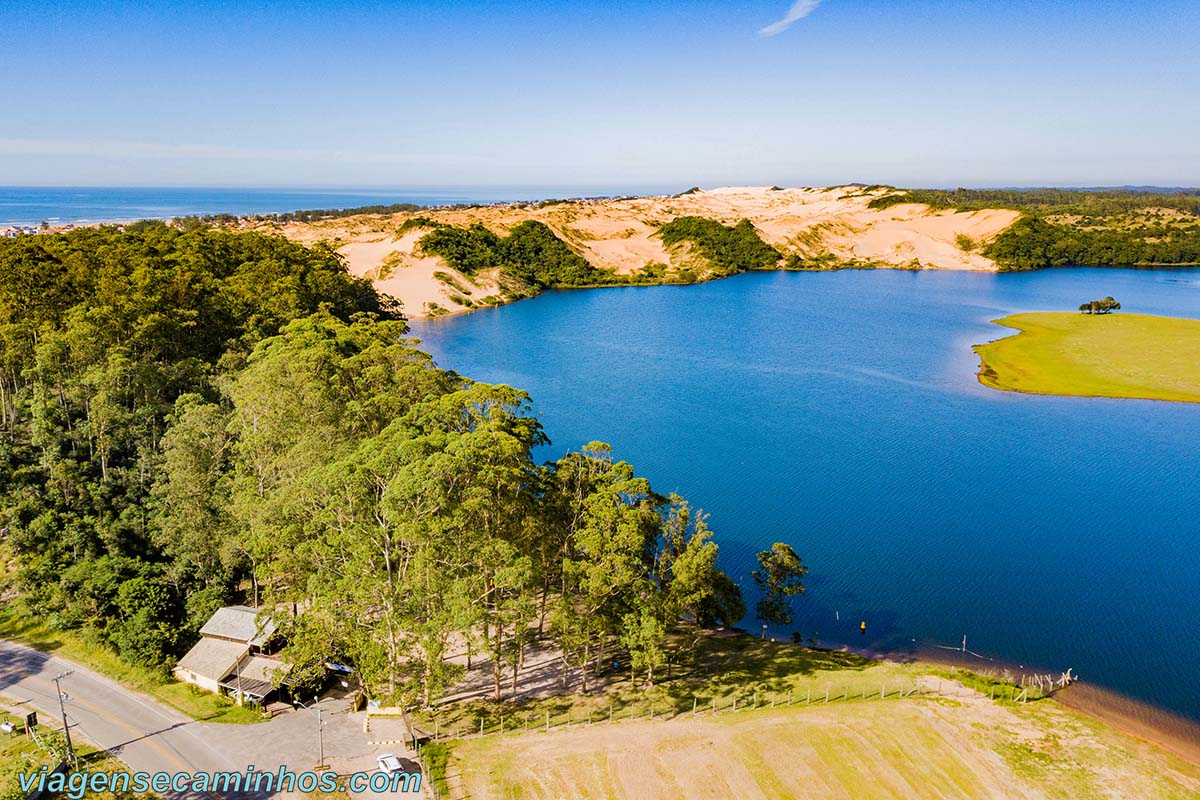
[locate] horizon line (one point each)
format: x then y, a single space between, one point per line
718 185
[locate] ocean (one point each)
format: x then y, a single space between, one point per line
89 205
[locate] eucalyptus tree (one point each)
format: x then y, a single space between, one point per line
779 577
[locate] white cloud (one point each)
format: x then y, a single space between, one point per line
799 10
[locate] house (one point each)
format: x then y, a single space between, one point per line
233 656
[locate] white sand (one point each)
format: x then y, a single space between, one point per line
619 235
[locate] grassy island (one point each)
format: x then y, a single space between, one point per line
1083 355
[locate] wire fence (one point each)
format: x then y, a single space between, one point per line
1001 687
517 721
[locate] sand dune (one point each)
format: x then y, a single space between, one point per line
621 235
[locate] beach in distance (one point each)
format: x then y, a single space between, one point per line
609 401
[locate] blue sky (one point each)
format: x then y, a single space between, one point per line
613 94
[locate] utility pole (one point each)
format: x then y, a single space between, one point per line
320 733
63 710
320 728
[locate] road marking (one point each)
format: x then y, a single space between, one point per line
143 736
157 708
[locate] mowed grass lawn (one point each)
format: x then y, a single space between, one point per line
1111 355
928 748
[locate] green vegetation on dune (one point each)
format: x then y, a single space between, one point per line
1109 355
1089 203
531 257
1066 227
729 249
1033 242
413 223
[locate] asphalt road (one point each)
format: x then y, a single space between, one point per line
151 737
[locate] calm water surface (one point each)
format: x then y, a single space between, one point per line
840 412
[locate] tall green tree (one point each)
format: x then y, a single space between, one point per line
779 577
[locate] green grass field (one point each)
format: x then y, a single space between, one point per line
1082 355
726 670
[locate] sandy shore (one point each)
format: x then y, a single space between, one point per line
621 235
1148 723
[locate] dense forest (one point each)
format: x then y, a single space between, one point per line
193 418
1079 227
530 258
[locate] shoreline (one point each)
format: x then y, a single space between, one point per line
1139 719
1169 730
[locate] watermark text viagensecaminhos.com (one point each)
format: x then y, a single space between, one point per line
76 785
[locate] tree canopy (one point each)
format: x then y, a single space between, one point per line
192 418
1105 306
779 577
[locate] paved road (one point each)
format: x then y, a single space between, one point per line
151 737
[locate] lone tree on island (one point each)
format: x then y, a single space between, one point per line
1105 306
779 577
